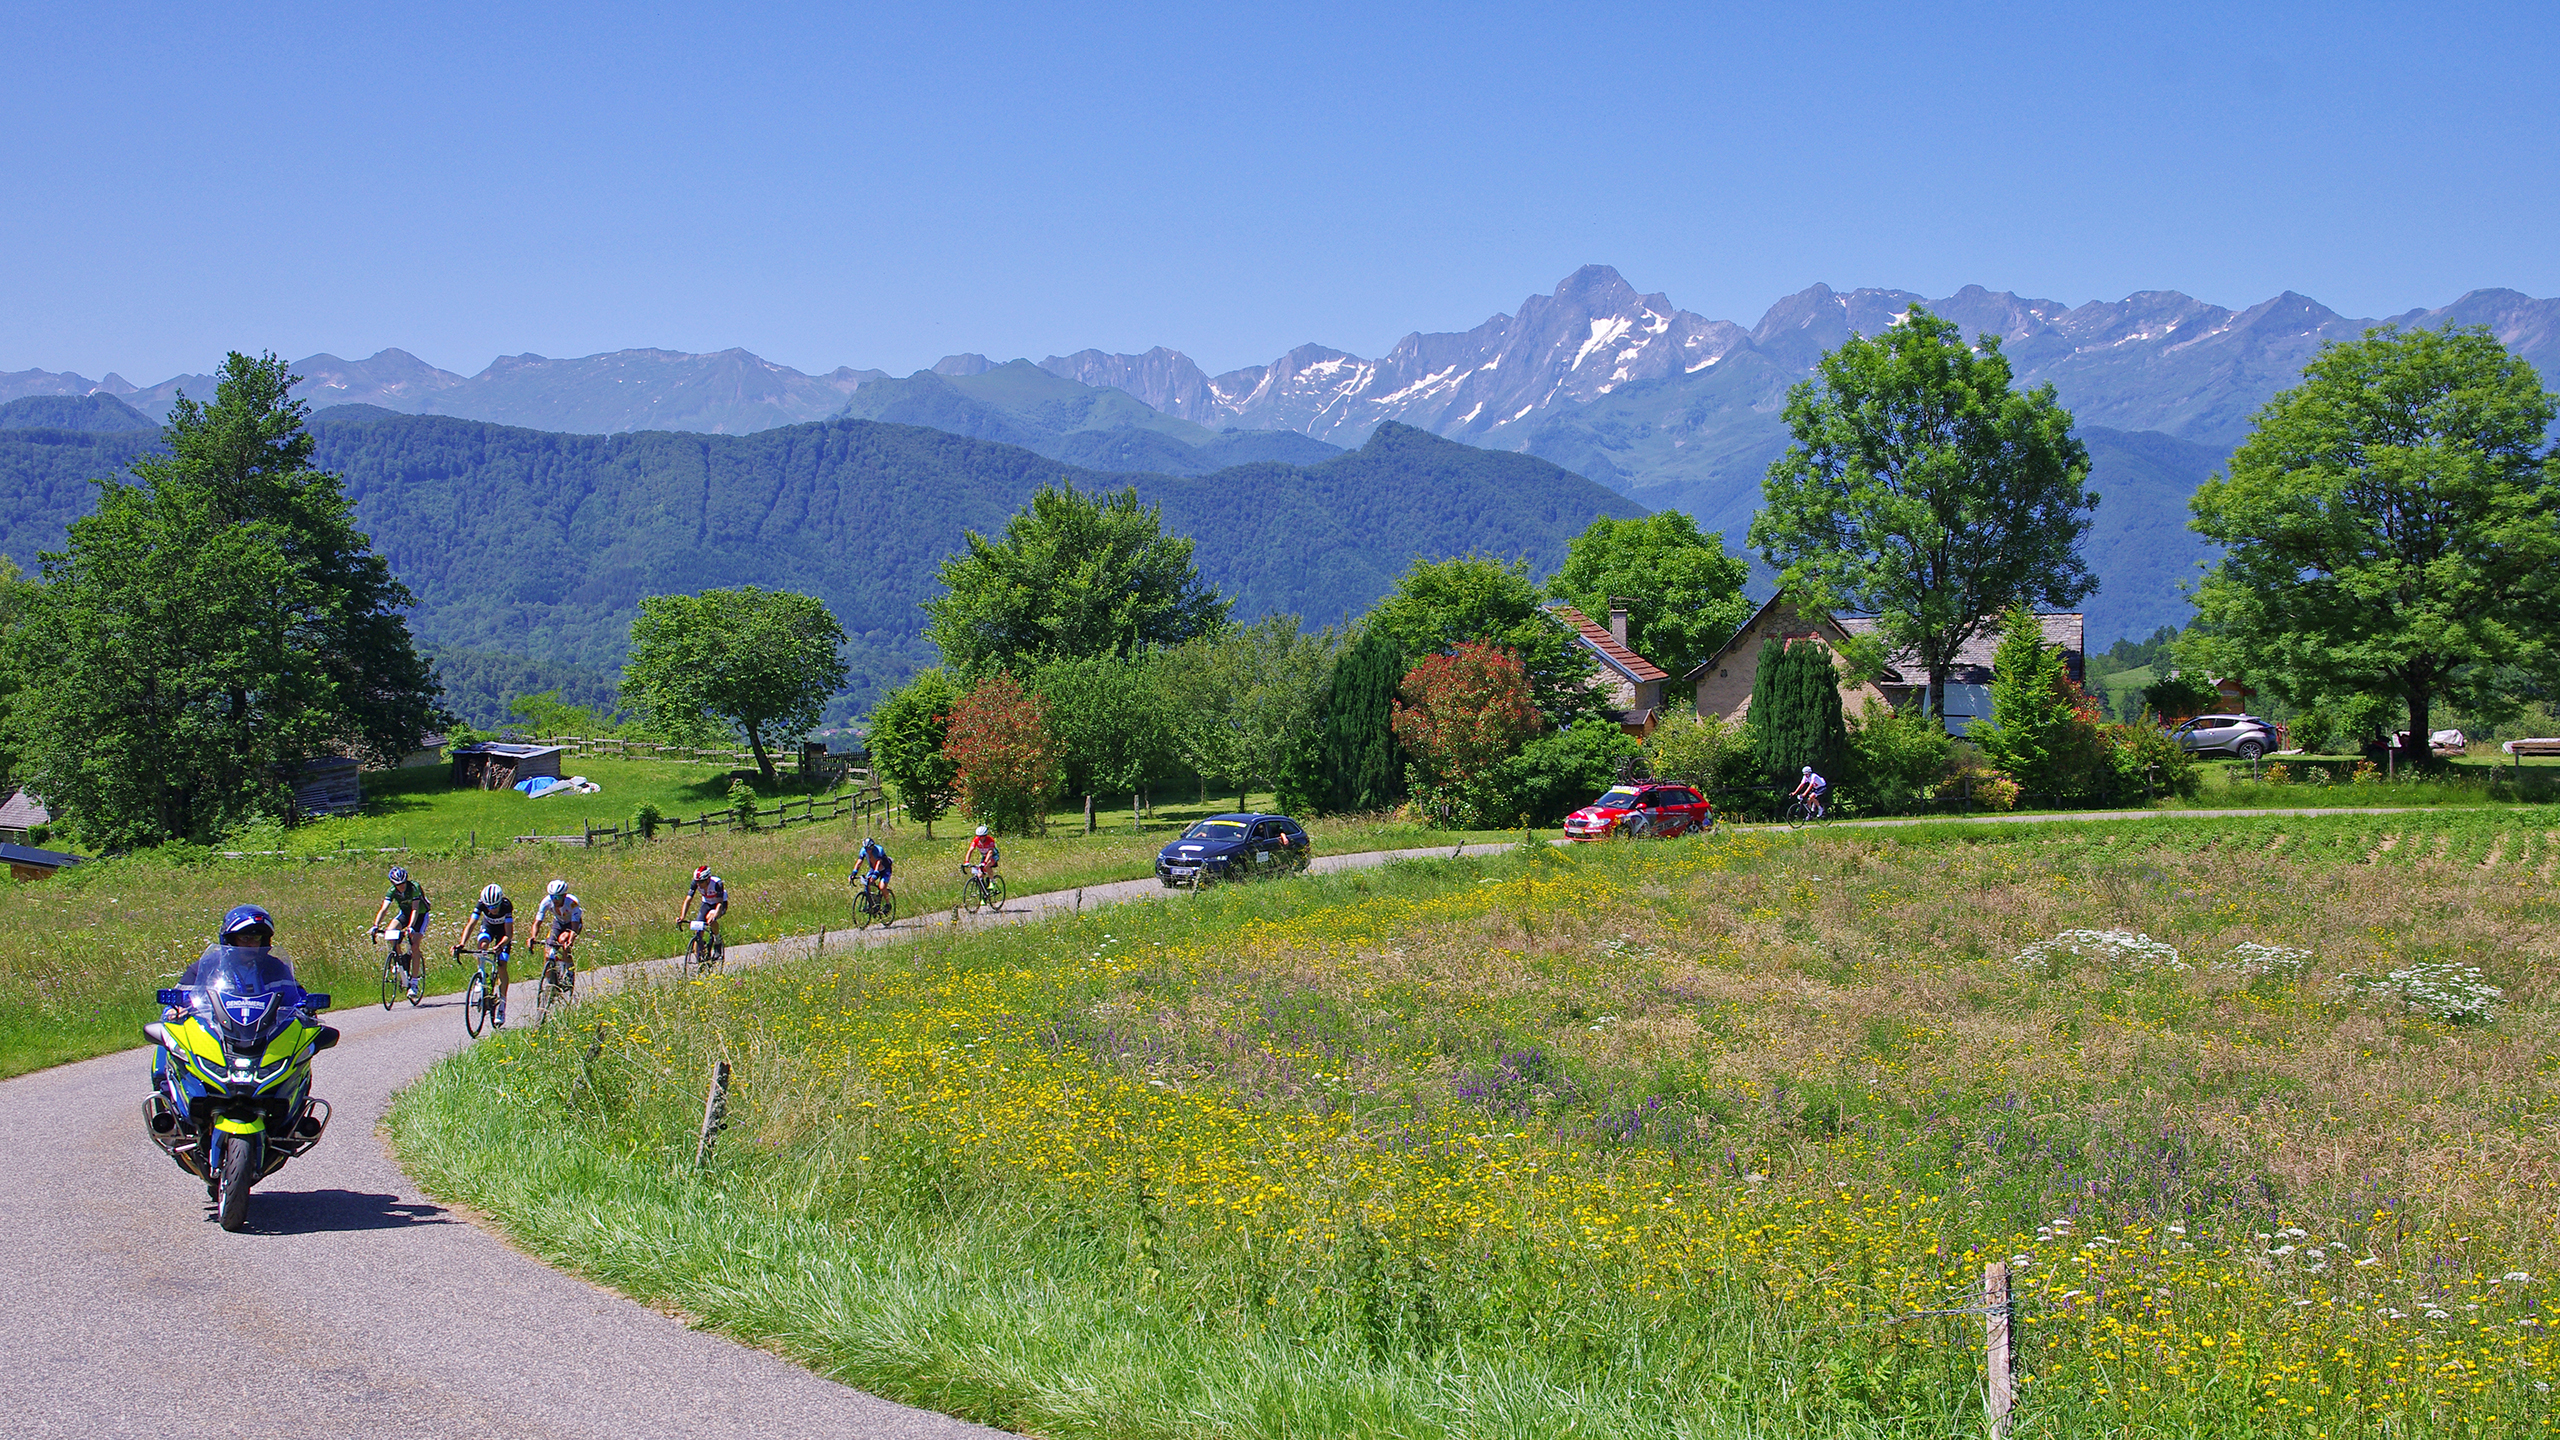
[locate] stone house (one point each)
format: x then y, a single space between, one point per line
1631 685
1724 682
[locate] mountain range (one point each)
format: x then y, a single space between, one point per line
530 551
1667 407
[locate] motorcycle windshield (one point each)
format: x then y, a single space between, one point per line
245 995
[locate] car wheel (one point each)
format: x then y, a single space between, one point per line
2249 749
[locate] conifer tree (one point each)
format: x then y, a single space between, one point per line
1359 764
1795 709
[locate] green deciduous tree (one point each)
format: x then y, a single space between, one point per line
1006 758
1358 765
1110 718
761 661
1439 604
1795 710
1463 713
1248 707
1684 592
1074 576
907 735
219 619
2391 527
1921 487
1896 758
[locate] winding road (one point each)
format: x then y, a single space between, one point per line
356 1306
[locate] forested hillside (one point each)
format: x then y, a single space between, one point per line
527 543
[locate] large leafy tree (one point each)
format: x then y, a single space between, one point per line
1440 604
2390 528
219 619
1108 718
1924 488
1074 576
761 661
1684 592
1250 705
906 739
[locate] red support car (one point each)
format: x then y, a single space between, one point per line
1642 808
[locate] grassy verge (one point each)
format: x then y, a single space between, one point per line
81 953
1627 1139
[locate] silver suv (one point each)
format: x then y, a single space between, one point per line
2246 736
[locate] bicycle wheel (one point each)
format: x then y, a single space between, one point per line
888 908
973 891
995 892
546 993
393 980
476 1008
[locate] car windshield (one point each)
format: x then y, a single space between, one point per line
1215 830
1618 797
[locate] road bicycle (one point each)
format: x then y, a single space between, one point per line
979 888
558 983
1802 812
875 902
395 969
706 952
482 997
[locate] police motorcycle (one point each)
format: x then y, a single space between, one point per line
231 1097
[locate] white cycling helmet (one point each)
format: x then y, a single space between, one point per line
982 829
492 895
555 888
1808 769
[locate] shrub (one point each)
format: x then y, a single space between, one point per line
2148 762
646 819
1707 752
2315 730
1895 760
1972 777
1008 764
1556 772
1464 713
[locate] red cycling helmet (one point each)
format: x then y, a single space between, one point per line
700 871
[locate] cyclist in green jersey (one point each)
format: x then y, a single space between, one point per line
411 898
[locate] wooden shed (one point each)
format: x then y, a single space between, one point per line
498 765
326 785
26 862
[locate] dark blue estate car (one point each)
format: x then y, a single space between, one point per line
1234 847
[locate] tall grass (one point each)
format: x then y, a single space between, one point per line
82 952
1659 1139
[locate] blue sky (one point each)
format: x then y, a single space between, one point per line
879 185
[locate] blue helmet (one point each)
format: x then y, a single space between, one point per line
399 874
245 921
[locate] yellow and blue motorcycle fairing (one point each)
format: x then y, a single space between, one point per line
231 1094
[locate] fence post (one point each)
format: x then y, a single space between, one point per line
1998 1370
715 1112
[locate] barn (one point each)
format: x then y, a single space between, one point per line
498 765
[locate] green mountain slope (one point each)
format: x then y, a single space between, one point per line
73 412
527 543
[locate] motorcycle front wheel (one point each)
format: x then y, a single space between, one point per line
239 1168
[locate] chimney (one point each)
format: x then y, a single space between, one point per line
1618 619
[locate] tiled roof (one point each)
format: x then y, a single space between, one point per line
2066 629
22 811
1625 661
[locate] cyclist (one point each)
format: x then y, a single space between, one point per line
411 897
1810 790
713 892
495 919
561 920
981 858
871 867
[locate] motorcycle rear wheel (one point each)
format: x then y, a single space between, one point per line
239 1169
475 1007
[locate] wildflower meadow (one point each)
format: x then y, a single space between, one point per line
1701 1137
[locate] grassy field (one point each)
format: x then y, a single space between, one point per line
82 953
1660 1140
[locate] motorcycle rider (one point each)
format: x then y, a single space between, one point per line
411 898
247 927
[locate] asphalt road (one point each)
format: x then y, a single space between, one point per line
355 1305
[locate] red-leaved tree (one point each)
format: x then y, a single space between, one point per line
1464 713
1008 762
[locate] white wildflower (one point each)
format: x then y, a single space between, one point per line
2114 949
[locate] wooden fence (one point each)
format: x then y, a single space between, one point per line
619 748
868 803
